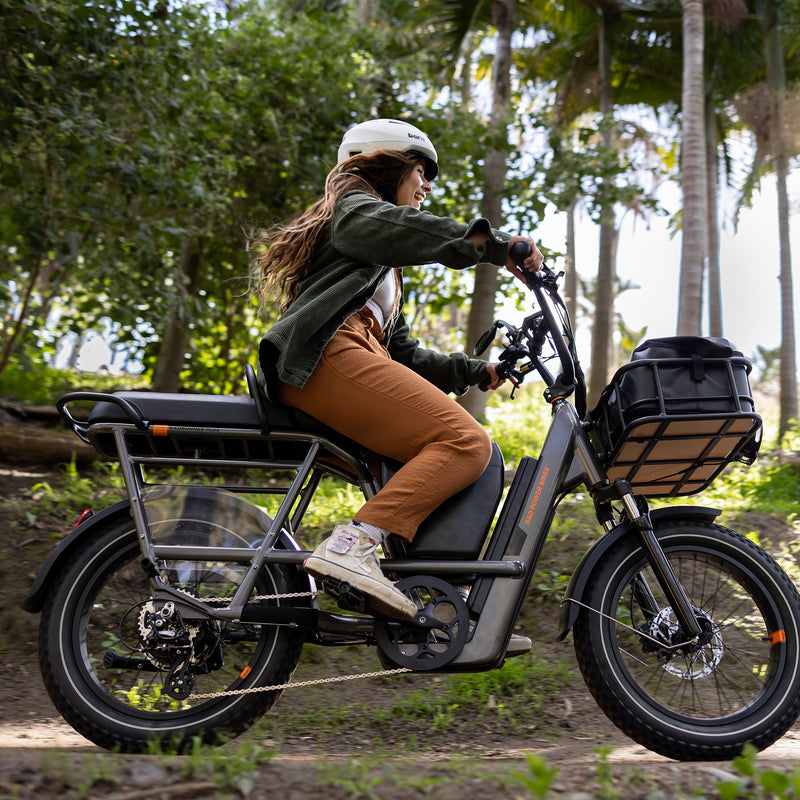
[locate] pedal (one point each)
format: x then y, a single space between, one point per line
347 597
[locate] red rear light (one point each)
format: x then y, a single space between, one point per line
84 516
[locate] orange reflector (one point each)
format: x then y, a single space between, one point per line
245 672
776 637
160 430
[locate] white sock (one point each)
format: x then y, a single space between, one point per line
375 533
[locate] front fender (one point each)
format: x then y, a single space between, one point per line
34 599
595 554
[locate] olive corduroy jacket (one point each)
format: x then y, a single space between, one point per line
364 240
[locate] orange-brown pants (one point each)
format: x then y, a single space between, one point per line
359 391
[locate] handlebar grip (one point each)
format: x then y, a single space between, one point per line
519 251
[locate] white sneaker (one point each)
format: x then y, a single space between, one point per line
348 554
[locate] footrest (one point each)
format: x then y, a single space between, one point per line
347 597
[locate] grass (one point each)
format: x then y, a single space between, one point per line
37 384
238 770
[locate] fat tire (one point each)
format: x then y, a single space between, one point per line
653 711
80 696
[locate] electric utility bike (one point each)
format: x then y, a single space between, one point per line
182 611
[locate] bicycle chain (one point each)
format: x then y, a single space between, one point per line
281 686
299 684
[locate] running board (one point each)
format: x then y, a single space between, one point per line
406 566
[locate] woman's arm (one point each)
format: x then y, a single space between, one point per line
372 231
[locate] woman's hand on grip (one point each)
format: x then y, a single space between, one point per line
532 263
494 381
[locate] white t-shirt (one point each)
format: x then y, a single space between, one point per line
382 302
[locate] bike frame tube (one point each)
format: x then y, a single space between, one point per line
566 461
297 497
556 472
526 538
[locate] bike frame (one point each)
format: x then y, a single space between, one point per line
502 575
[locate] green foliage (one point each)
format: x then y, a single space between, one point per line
513 694
754 782
605 786
129 134
357 778
767 486
519 426
539 777
75 491
334 503
231 769
42 385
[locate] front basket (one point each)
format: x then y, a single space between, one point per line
669 426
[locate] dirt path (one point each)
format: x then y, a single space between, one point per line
42 758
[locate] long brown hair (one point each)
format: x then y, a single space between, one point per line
284 250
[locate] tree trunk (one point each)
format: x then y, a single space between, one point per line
571 278
693 173
603 327
167 374
11 336
27 444
481 313
712 225
776 79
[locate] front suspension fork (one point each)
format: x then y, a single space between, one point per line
667 579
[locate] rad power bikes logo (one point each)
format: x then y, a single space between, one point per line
536 495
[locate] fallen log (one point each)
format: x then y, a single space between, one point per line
789 457
46 413
28 444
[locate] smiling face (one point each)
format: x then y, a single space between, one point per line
413 188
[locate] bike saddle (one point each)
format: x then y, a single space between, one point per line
209 411
198 413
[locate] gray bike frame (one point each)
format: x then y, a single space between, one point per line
502 575
566 461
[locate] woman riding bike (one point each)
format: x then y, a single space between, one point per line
341 350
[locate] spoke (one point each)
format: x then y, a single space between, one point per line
726 673
116 615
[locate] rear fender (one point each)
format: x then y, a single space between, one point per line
91 526
595 554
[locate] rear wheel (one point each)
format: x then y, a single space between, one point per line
126 671
739 683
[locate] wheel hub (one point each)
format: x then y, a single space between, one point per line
176 648
700 658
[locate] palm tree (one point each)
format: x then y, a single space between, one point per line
594 59
694 175
776 80
482 307
459 21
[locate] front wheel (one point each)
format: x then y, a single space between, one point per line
127 672
738 683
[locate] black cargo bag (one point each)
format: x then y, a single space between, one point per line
674 417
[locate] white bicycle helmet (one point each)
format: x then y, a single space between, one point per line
389 134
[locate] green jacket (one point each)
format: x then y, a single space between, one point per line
342 275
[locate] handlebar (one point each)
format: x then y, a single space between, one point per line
527 342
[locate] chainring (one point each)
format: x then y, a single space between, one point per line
435 636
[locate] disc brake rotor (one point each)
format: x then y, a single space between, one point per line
700 661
